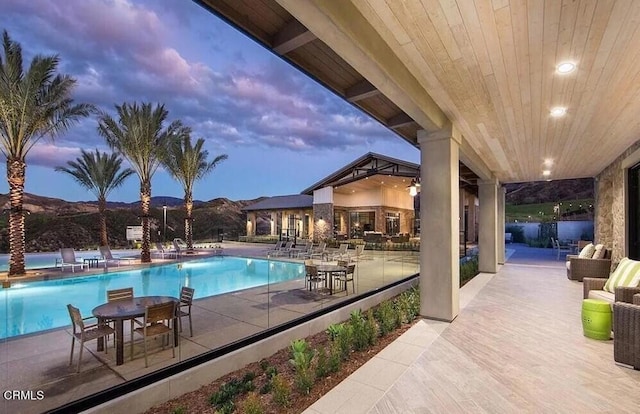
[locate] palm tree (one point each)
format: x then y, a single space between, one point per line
33 104
187 164
99 173
138 135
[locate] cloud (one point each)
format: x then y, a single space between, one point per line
121 50
48 154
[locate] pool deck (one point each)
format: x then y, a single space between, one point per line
40 361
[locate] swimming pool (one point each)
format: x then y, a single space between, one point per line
37 306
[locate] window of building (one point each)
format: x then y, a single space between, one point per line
392 223
361 221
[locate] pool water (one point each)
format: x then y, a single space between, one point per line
38 306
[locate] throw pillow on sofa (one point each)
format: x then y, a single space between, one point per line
626 274
599 252
587 251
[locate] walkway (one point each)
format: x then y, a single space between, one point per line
516 346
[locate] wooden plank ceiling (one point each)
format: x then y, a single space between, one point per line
491 68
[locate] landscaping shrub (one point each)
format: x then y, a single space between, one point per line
281 391
371 327
222 400
179 410
252 405
344 340
301 361
360 331
468 269
322 363
517 233
386 318
334 330
408 305
335 357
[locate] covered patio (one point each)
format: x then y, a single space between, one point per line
516 346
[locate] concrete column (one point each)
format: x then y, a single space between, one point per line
439 225
488 226
251 224
301 218
472 219
274 223
501 224
462 198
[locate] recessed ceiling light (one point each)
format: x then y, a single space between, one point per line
548 162
546 173
565 67
558 111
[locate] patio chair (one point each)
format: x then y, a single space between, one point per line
320 252
626 341
358 254
122 294
560 248
621 286
69 259
341 253
177 249
312 277
347 276
107 256
84 333
580 267
184 307
306 252
159 321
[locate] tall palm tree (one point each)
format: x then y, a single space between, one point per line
33 104
138 135
99 173
187 164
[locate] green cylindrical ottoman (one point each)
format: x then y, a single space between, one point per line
596 319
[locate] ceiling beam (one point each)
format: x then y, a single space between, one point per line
290 37
341 26
398 121
361 90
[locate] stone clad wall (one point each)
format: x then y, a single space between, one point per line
322 229
610 206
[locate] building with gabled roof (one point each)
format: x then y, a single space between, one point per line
369 196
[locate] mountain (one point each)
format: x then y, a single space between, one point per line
550 191
52 223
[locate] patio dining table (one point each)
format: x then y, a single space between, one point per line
329 270
120 310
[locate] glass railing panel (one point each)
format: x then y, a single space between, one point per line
240 292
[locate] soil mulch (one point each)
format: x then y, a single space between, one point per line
198 401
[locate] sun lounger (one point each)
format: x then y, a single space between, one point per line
284 251
69 259
279 245
341 253
162 252
108 257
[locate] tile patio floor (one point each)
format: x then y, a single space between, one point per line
515 347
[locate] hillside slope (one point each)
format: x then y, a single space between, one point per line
52 223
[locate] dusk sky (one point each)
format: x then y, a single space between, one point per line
281 130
